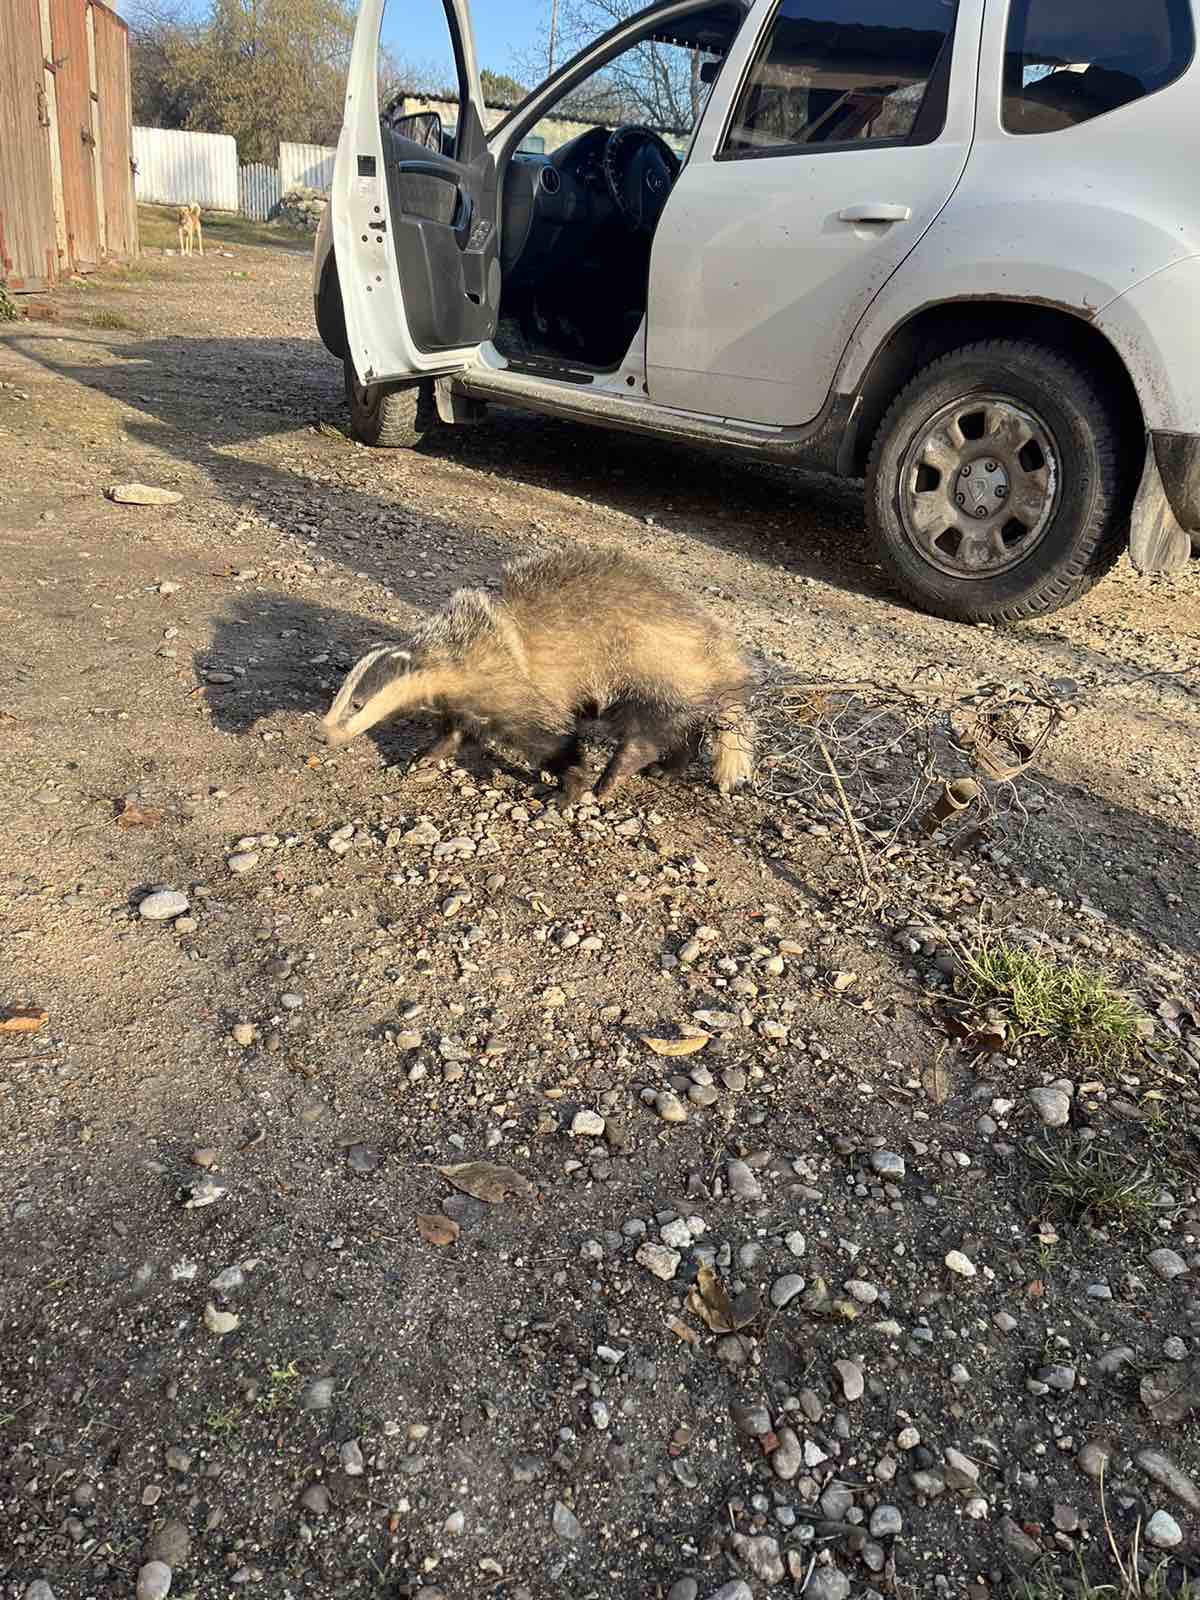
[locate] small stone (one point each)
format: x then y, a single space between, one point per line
958 1263
689 952
39 1589
908 1439
814 1456
317 1395
796 1243
961 1471
170 1545
1094 1459
162 905
153 1581
865 1293
742 1182
683 1589
886 1522
1163 1532
976 1508
759 1555
754 1420
787 1457
351 1457
587 1125
242 1033
143 494
454 1524
1065 1518
826 1583
363 1159
887 1164
1167 1264
676 1234
178 1460
853 1383
219 1322
1052 1105
243 861
669 1106
290 1000
737 1589
1020 1547
656 1258
316 1499
1169 1476
564 1522
786 1289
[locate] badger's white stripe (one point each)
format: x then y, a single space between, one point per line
356 675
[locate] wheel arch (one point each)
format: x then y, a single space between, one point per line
330 312
935 330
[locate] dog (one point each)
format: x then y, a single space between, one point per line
573 637
190 234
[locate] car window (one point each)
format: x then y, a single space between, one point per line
1066 61
836 72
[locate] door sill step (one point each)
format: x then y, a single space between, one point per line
547 367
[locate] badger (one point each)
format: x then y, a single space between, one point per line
574 637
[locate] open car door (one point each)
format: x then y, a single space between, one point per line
414 230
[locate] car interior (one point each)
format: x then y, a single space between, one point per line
577 226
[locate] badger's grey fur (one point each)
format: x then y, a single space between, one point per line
576 636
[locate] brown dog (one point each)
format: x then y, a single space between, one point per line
190 235
581 636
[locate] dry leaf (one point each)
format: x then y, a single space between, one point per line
135 816
486 1181
312 761
434 1228
24 1020
678 1047
681 1330
1036 1289
710 1301
843 980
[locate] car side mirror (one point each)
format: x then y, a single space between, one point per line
422 127
708 71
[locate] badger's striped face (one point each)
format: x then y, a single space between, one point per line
374 678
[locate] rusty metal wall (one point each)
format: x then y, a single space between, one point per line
66 140
115 133
72 81
28 243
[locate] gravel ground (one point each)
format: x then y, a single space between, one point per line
253 1336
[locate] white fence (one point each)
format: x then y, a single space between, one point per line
308 166
175 168
258 191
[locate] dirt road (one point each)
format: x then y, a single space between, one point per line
225 1340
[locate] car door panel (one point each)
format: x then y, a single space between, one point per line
414 231
763 264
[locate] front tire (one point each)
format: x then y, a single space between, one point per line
996 490
390 416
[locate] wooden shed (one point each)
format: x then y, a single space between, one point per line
66 141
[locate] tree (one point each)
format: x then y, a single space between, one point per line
261 70
654 83
499 89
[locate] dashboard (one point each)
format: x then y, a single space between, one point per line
552 204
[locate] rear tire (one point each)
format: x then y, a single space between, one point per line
1035 506
390 416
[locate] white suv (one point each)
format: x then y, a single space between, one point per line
951 246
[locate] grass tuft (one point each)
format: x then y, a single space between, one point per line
1085 1183
1077 1012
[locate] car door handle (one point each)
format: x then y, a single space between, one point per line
875 213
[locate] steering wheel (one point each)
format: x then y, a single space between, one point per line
640 167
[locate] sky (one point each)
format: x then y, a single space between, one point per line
504 30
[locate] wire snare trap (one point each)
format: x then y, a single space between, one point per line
892 760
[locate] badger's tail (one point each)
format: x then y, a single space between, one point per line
733 747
